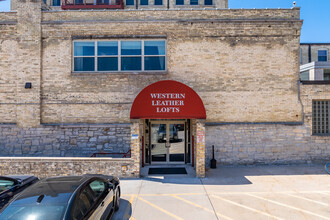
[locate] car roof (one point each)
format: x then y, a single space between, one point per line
18 178
52 190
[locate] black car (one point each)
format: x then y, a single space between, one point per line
12 185
63 198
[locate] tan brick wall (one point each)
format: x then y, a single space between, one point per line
275 15
233 71
272 143
200 148
8 64
235 64
8 16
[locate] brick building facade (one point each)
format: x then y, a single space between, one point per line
61 101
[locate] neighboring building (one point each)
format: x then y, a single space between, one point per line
154 85
315 62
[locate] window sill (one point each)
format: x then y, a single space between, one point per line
121 73
315 82
321 135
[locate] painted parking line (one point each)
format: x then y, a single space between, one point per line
177 194
310 200
160 209
324 193
126 215
288 206
205 209
231 193
246 207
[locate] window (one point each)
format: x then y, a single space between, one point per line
98 187
56 2
158 2
322 55
129 2
144 2
193 2
119 56
6 184
179 2
304 76
321 115
326 74
208 2
84 53
83 203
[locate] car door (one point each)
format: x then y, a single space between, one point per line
103 199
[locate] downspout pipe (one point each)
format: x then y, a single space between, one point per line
309 53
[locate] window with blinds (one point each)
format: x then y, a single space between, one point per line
321 115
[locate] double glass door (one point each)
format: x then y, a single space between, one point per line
167 142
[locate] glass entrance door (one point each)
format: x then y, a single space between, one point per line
158 143
167 142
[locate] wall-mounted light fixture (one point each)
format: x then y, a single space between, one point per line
28 85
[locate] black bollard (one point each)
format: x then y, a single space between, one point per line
213 161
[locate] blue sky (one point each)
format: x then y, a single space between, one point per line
315 13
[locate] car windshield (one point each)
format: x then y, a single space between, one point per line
5 184
36 212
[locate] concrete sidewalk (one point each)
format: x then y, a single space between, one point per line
252 192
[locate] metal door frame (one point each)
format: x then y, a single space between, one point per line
168 122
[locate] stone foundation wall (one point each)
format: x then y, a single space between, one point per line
64 141
265 143
46 167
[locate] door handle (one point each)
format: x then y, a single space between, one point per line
102 203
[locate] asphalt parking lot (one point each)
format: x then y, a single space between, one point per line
253 192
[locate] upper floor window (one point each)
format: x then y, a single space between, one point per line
322 55
321 117
119 56
193 2
208 2
144 2
56 2
158 2
179 2
129 2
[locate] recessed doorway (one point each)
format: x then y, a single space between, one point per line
168 142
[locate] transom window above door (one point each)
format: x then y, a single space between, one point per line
119 56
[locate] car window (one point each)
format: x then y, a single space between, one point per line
83 203
6 184
98 187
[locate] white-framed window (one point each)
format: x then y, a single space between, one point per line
158 2
322 55
119 55
208 2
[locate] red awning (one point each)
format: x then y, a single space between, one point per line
168 99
